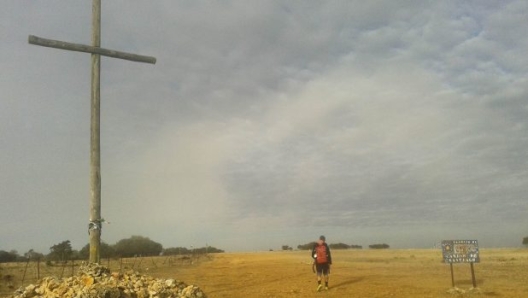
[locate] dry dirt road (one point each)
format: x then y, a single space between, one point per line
357 273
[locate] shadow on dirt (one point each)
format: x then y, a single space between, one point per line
347 282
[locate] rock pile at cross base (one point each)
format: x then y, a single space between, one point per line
95 281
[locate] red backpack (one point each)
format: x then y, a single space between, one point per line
320 251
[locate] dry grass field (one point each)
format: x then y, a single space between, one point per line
355 273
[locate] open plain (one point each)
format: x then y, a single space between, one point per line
401 273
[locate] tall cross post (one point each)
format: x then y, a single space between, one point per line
94 226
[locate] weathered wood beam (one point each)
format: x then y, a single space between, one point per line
50 43
95 139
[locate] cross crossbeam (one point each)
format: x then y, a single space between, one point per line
50 43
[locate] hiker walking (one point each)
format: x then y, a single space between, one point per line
322 261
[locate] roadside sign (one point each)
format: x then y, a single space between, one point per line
461 251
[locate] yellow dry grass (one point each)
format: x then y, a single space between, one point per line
355 273
359 273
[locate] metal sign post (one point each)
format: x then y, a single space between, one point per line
452 275
473 276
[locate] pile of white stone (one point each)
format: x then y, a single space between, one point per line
95 281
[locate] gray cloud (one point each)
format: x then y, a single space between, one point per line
392 121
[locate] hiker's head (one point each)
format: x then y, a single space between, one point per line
322 239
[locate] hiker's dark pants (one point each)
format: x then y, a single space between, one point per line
322 269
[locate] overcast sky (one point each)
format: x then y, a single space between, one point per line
268 123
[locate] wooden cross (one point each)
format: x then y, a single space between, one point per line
94 227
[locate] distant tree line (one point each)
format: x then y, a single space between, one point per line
129 247
310 245
379 246
344 246
8 256
185 251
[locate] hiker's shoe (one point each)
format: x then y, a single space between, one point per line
319 288
326 288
